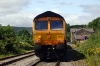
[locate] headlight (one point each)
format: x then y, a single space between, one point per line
37 41
39 37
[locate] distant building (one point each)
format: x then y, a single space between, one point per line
78 34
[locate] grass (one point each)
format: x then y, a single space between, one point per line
91 49
93 60
5 55
11 54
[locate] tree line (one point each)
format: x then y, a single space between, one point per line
12 42
95 24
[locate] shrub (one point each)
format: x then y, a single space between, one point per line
91 49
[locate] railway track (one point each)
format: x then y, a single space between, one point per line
34 64
57 63
12 59
39 62
35 61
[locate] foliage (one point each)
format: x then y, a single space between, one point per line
10 42
95 24
68 27
25 36
78 26
68 37
91 48
68 33
93 42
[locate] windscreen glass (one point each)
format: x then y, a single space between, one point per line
56 25
41 25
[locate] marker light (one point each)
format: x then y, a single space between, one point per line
39 37
36 41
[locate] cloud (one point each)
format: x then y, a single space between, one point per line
39 9
55 10
92 9
74 19
19 19
90 12
64 4
11 13
42 2
12 6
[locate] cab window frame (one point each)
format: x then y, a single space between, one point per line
41 21
57 30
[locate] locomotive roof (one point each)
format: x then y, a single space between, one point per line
48 14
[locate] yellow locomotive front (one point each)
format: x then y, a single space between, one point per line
49 36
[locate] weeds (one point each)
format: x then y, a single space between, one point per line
91 49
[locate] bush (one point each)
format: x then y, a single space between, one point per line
91 44
91 49
26 46
10 42
2 47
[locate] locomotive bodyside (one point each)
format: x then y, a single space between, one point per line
49 39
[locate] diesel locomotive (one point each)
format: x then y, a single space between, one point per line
49 35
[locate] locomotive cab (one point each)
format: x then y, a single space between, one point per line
49 35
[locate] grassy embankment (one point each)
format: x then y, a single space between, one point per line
91 49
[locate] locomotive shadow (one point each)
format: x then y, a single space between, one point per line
72 55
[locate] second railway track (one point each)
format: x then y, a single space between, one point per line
12 59
57 63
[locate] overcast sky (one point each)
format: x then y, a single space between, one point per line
21 13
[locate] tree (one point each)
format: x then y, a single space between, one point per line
10 42
68 27
0 32
26 36
95 24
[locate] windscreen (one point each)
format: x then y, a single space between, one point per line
56 25
41 25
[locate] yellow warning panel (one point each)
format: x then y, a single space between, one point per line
60 36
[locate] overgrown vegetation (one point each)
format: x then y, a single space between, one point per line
91 47
14 43
68 32
95 24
